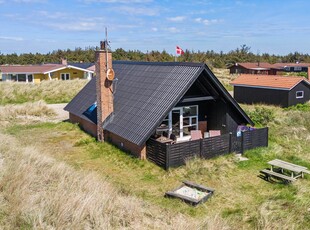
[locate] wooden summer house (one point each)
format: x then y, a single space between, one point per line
275 90
38 73
150 99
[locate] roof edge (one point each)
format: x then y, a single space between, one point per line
229 97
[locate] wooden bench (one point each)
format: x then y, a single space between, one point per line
306 171
269 173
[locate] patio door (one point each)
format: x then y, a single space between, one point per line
180 121
177 122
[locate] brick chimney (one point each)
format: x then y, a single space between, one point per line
103 62
64 61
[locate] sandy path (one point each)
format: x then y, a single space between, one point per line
59 110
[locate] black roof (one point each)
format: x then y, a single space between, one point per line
83 100
83 65
145 93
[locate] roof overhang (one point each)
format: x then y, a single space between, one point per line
260 87
195 99
259 68
270 87
69 67
20 72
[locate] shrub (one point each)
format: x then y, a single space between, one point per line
299 107
261 116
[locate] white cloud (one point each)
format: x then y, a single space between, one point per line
76 26
118 1
154 29
208 22
45 40
30 1
11 38
176 19
147 11
53 15
173 30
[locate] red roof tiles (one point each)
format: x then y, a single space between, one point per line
268 81
29 68
255 65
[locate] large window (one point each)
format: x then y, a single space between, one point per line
65 76
180 121
299 94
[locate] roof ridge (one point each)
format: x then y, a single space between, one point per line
193 64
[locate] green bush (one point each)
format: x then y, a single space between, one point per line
261 116
299 107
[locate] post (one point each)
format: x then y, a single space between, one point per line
242 147
167 166
230 140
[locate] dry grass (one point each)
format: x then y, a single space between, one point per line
49 91
224 77
39 192
54 176
26 113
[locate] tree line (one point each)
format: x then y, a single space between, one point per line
210 57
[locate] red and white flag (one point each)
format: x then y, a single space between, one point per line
179 50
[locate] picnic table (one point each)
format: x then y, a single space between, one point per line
278 168
295 170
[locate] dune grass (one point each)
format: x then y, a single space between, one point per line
51 92
242 200
54 176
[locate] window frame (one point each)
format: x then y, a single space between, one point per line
302 94
65 74
191 119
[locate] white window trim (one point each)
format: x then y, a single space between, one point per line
302 94
64 74
190 118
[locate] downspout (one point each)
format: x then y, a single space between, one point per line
49 76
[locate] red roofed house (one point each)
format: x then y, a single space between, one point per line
276 90
37 73
253 68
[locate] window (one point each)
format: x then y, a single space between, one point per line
21 77
180 121
65 76
297 68
300 94
30 78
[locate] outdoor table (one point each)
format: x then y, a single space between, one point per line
283 165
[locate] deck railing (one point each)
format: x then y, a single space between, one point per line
174 155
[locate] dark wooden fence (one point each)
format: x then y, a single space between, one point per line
174 155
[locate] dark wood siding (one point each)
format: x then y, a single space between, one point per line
300 87
174 155
242 70
250 95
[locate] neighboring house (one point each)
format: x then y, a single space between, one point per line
275 90
293 67
268 69
253 68
149 98
38 73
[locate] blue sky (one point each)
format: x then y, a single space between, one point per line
267 26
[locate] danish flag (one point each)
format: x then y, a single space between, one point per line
179 50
